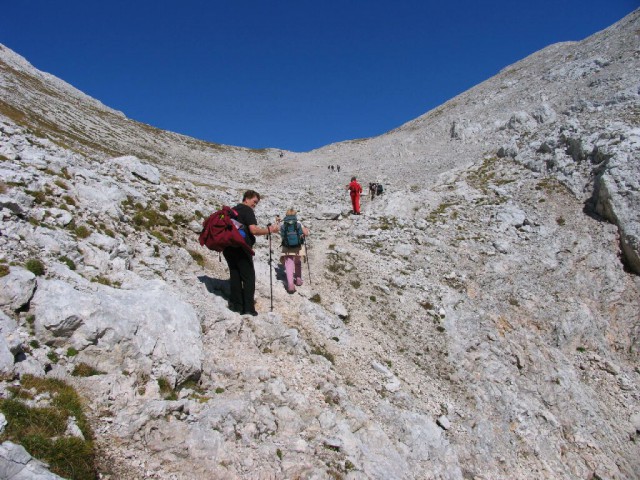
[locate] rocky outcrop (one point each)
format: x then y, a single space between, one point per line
474 322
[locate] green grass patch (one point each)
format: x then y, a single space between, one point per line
84 370
197 256
81 231
53 356
40 430
160 236
68 262
166 389
35 266
62 184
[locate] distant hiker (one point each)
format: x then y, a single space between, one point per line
338 168
372 190
241 269
379 189
293 235
355 190
332 168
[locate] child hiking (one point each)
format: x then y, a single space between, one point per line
293 235
355 190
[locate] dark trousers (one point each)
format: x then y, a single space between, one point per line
243 278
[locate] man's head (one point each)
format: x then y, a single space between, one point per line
353 179
251 198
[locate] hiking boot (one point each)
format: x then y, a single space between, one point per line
251 312
234 308
298 281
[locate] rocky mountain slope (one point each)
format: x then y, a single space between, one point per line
480 320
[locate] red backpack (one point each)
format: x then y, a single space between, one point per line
220 231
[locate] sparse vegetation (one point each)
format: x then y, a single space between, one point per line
41 430
53 356
62 184
198 257
387 223
81 231
102 280
323 353
166 389
316 298
68 262
180 219
439 212
84 370
72 352
35 266
160 236
4 270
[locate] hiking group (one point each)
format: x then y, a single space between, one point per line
233 232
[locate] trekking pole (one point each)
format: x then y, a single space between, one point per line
270 269
308 260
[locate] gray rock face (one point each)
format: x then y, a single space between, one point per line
147 327
142 170
618 200
476 321
17 464
16 288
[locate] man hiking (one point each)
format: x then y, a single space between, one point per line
355 190
241 270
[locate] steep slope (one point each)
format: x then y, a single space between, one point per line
475 322
571 111
55 110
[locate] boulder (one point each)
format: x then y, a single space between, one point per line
17 464
139 169
16 289
148 327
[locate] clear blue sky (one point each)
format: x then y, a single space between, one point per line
288 74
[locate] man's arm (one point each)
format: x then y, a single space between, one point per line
256 230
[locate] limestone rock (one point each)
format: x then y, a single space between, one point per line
16 288
17 464
142 326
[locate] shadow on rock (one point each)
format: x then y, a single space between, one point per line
216 286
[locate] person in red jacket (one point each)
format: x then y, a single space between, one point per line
355 190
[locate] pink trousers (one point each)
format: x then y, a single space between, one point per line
293 270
